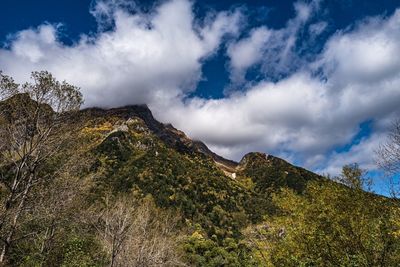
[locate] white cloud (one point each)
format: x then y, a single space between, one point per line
366 53
146 56
248 51
293 114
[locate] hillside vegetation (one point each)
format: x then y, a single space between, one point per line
115 187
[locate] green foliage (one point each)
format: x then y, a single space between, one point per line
270 174
79 252
330 225
72 247
190 183
201 251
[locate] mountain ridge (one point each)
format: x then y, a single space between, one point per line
176 138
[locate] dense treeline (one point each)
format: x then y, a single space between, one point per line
103 189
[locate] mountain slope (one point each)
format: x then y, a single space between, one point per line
228 213
218 197
179 172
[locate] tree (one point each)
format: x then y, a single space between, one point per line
53 212
137 234
354 177
388 156
32 130
113 224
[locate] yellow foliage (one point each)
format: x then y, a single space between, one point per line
197 235
102 128
247 183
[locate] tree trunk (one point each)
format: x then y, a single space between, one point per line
3 253
8 241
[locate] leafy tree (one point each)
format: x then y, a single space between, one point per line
354 177
32 130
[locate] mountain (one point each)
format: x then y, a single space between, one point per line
160 160
178 141
204 210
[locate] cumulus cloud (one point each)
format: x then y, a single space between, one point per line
145 57
366 53
155 57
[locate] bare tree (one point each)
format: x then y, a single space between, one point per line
153 238
32 130
388 156
113 224
137 235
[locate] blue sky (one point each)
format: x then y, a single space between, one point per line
315 82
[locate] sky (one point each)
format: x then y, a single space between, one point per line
315 82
